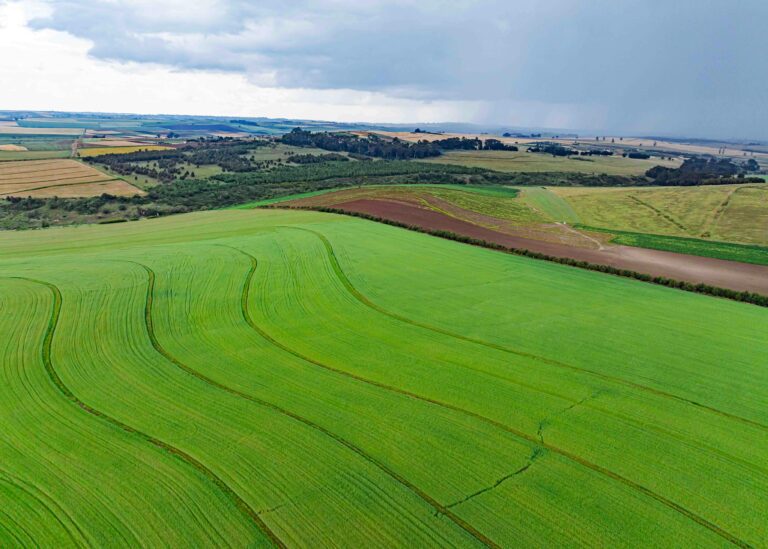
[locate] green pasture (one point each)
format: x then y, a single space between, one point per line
257 377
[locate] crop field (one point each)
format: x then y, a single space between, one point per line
293 378
12 128
549 204
96 151
10 156
57 178
747 253
521 161
732 213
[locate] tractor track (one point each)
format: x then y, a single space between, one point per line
534 440
469 529
551 362
172 450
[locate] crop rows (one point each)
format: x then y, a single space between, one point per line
284 378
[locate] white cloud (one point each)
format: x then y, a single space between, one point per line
46 69
687 67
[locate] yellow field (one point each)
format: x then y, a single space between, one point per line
57 178
96 151
12 148
109 142
732 213
115 187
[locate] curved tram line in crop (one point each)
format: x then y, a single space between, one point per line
336 438
556 363
536 441
249 513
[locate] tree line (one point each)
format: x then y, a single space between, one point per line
702 171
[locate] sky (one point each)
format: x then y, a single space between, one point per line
654 67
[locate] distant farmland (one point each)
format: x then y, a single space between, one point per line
97 151
522 161
255 378
64 178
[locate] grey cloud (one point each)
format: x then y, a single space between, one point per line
690 66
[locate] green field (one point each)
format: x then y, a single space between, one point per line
731 213
721 250
248 377
521 161
549 204
10 156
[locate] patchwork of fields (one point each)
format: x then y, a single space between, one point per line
63 178
540 220
96 151
305 379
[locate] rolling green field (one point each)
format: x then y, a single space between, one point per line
521 161
257 377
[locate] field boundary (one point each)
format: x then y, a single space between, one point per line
552 362
700 288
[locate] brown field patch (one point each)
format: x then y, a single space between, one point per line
10 147
694 269
116 187
55 177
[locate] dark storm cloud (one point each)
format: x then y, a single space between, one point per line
685 67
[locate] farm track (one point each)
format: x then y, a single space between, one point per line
249 513
721 209
651 390
439 508
660 213
535 440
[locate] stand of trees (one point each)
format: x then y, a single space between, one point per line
165 165
701 171
389 149
552 148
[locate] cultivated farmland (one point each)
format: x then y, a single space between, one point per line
304 379
69 178
735 213
521 161
97 151
537 219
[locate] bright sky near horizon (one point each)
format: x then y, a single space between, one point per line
685 67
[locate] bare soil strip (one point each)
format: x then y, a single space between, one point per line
690 268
